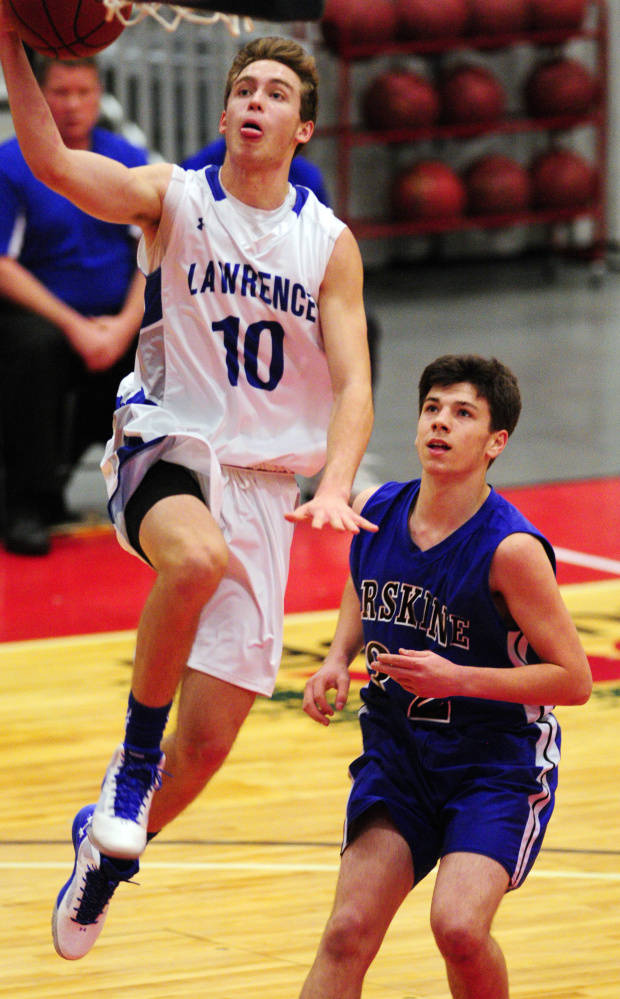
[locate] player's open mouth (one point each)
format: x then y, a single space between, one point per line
251 128
438 446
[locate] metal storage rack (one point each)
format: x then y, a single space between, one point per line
348 137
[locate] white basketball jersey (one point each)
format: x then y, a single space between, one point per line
231 347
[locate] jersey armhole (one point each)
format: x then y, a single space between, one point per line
150 260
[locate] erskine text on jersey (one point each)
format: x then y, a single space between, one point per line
414 607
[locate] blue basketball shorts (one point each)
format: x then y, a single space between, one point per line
473 789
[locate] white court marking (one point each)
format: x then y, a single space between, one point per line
599 562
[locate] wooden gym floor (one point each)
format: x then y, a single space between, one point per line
233 896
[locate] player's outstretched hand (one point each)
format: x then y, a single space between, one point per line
328 507
422 672
331 676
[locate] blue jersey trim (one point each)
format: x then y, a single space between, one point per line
138 398
212 174
300 200
301 171
125 453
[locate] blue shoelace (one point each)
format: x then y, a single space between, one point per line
133 783
98 889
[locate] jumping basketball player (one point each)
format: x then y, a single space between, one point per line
252 365
467 643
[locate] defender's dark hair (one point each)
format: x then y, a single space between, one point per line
491 379
289 53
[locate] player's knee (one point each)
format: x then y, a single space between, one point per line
348 937
458 938
203 754
195 570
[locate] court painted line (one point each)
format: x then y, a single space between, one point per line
257 868
588 561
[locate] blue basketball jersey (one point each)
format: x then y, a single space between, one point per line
439 600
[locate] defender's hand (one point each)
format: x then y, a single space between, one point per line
423 672
331 676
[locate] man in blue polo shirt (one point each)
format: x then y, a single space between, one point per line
71 301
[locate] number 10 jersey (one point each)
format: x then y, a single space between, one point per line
230 348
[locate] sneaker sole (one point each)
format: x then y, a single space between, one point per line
77 822
106 840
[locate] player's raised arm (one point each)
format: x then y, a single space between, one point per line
98 185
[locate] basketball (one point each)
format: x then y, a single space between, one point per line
419 19
400 99
557 15
471 94
497 185
65 29
496 17
561 86
358 22
562 179
429 190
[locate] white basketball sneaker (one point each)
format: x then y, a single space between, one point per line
82 903
122 812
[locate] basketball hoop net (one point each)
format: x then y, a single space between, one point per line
174 15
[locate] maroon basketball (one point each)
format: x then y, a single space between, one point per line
358 22
497 17
66 29
428 190
562 179
497 185
419 19
471 94
557 15
561 86
400 99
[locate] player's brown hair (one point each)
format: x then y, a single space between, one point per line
42 65
289 53
491 379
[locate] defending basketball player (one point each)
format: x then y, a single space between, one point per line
467 644
252 366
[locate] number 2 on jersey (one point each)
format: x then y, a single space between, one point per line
229 328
